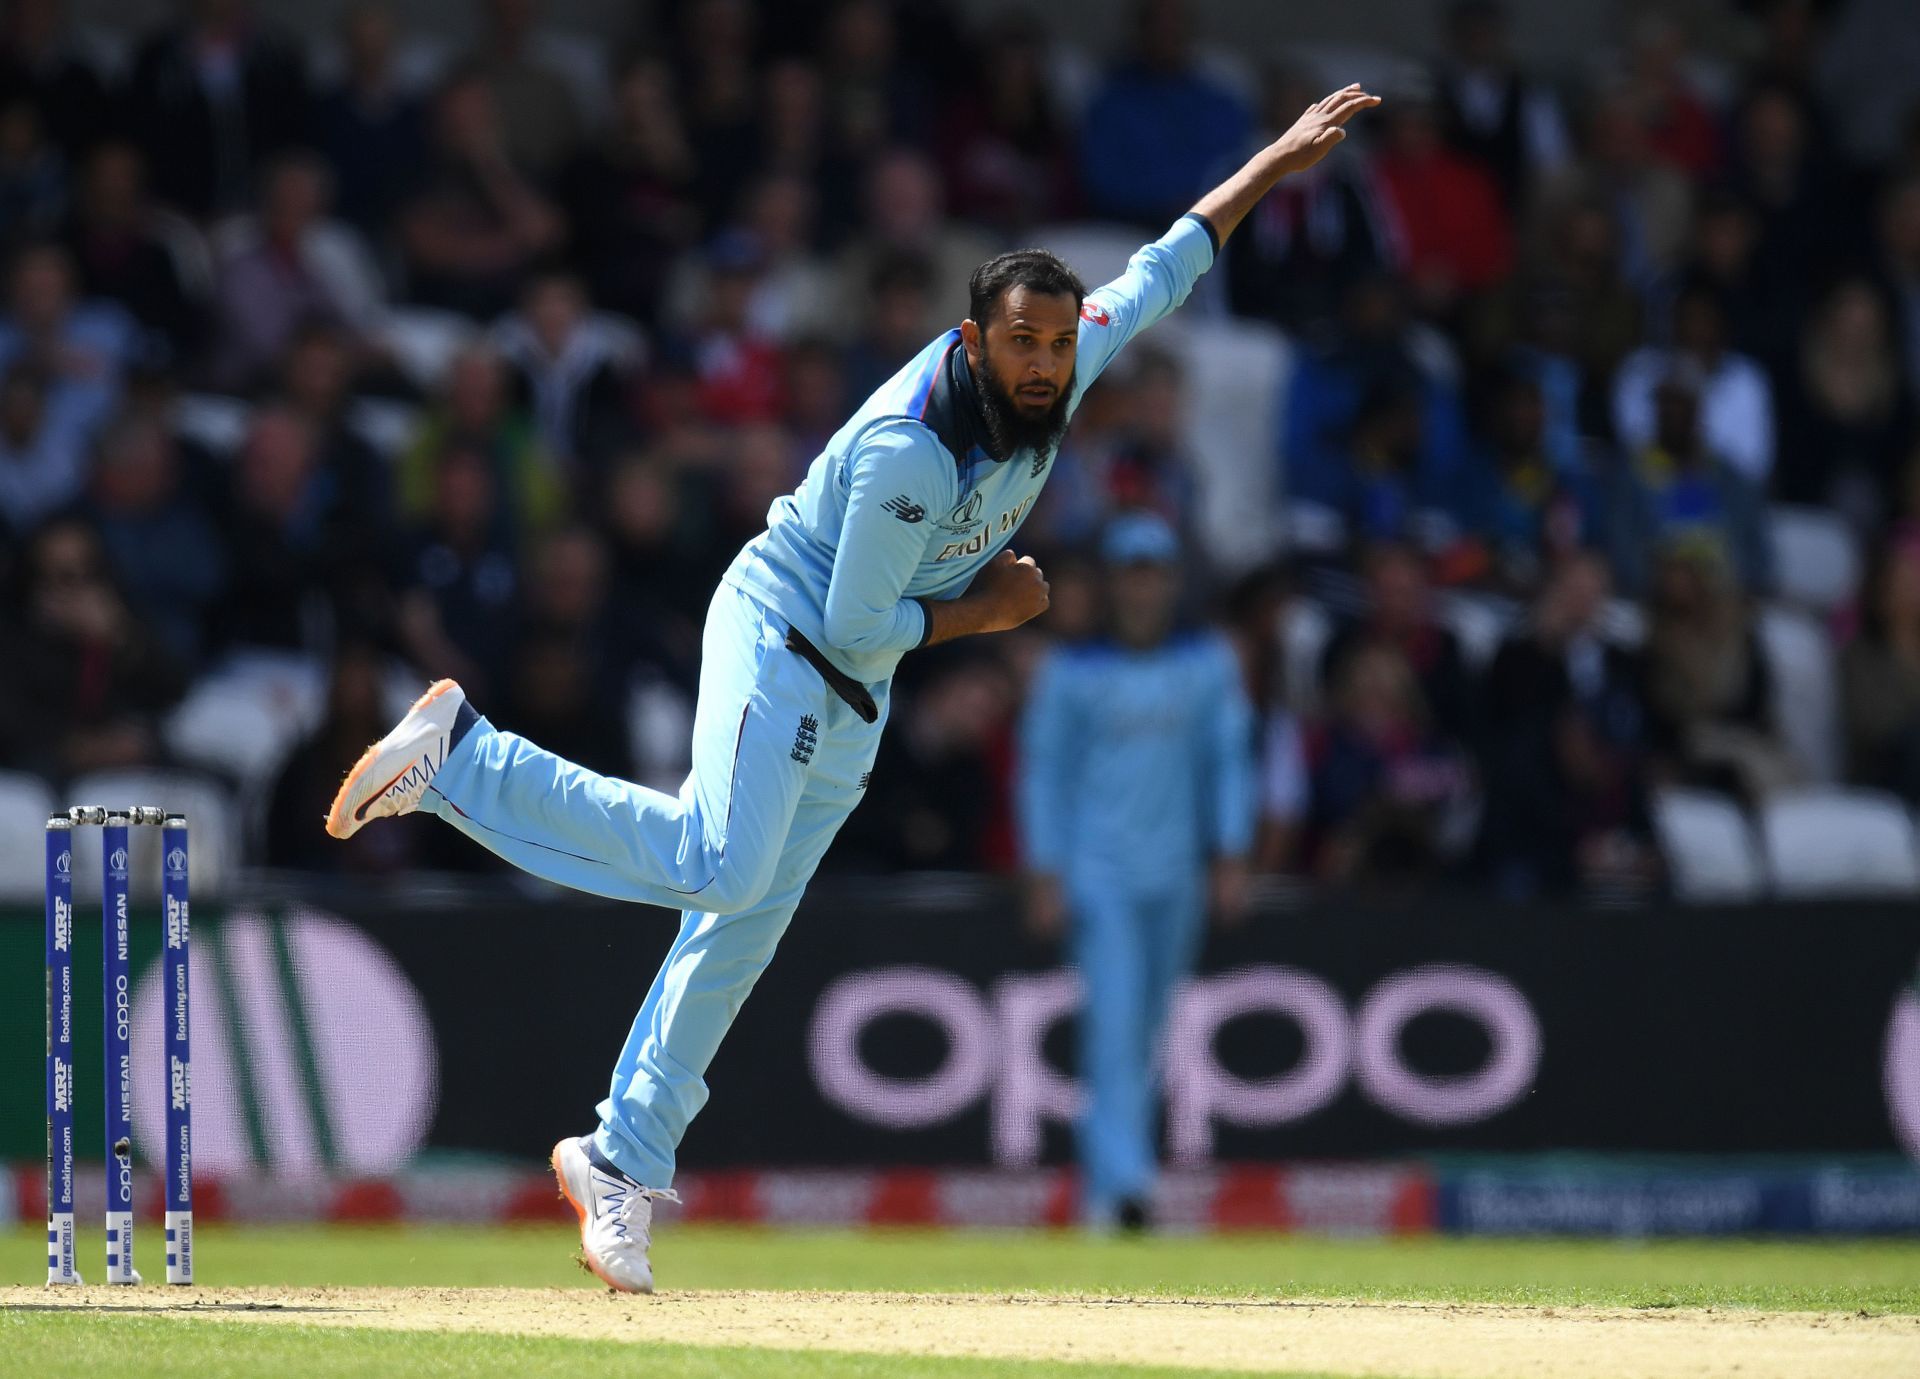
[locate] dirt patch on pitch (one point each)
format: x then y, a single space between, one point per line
1406 1340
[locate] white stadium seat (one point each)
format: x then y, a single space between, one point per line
1816 561
1479 622
1835 841
1233 400
1305 629
243 720
25 802
1708 845
1806 690
213 829
1098 252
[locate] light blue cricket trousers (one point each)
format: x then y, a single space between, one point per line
1133 943
779 761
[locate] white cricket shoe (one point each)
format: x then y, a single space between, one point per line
394 773
616 1214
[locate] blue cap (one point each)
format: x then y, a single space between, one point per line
1137 538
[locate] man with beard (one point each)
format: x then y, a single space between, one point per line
897 539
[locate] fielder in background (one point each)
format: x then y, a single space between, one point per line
1136 806
898 538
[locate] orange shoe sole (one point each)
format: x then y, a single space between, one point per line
586 1256
337 815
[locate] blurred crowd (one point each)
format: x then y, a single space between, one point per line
486 366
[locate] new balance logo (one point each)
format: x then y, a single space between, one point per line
866 779
1040 463
905 509
806 739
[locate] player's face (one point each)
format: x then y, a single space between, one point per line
1031 342
1024 360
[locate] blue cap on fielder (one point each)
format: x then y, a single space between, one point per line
1139 538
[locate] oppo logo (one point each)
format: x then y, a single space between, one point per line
994 1050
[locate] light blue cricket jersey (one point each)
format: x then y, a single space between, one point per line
1136 766
906 503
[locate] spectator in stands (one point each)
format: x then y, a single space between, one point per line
211 99
278 537
936 791
1152 469
1683 129
1400 615
658 595
1491 110
1136 794
1565 790
893 324
284 267
317 380
1764 307
567 676
458 580
1005 150
1570 317
795 293
475 226
1650 201
1383 489
83 347
124 249
715 63
1880 672
33 170
1809 210
630 195
739 369
878 91
540 118
1374 354
573 364
1527 511
1316 235
370 128
38 59
43 456
1710 693
164 543
818 391
1456 235
1158 124
476 415
356 711
1677 484
1256 611
904 218
1385 781
86 675
1736 400
1847 421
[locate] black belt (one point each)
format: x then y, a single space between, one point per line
837 680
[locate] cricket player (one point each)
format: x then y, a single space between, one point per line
1136 799
898 538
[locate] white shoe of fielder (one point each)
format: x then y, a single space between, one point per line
394 773
616 1214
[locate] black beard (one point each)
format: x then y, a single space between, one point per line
1011 429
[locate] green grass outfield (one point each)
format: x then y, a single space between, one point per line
1872 1276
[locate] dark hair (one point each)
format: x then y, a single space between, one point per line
1037 270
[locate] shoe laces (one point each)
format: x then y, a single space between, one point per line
620 1200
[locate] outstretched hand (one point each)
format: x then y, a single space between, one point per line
1322 126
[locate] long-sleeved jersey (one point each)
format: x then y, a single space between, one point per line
1136 766
906 502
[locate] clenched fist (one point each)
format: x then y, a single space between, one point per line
1010 591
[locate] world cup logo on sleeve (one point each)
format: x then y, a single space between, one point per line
63 864
117 862
176 861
